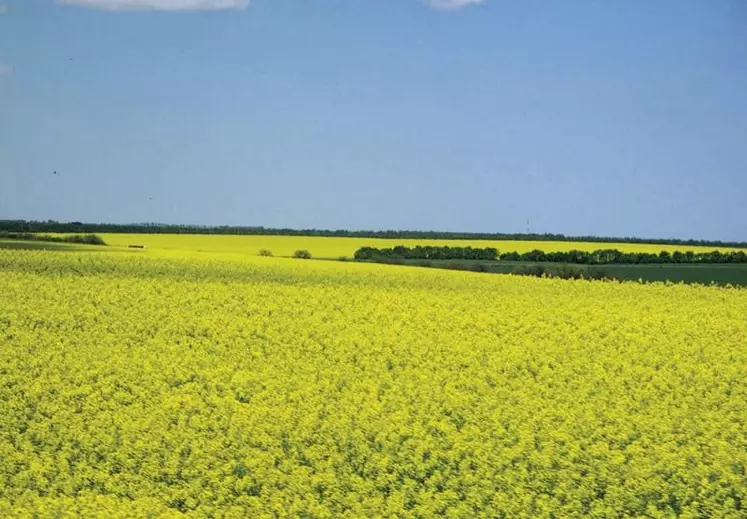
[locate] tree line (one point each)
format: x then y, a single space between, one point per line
89 239
161 228
614 256
597 257
427 252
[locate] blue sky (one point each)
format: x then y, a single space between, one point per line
622 118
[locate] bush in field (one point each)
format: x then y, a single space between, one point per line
302 254
89 239
561 271
531 270
265 252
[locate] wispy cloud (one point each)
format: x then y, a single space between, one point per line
5 70
158 5
205 5
450 5
3 8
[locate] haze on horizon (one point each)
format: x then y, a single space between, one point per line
586 118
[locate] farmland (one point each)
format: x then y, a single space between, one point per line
208 383
179 245
326 247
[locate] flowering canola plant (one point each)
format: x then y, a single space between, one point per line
143 386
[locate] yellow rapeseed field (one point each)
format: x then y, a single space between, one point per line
324 247
139 385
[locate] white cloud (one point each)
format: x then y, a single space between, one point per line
450 5
158 5
3 8
5 70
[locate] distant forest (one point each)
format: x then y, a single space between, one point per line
597 257
434 253
149 228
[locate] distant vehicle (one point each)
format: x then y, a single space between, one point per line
138 246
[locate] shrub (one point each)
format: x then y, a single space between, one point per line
562 271
302 254
90 239
530 270
265 252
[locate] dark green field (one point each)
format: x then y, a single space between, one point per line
720 273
